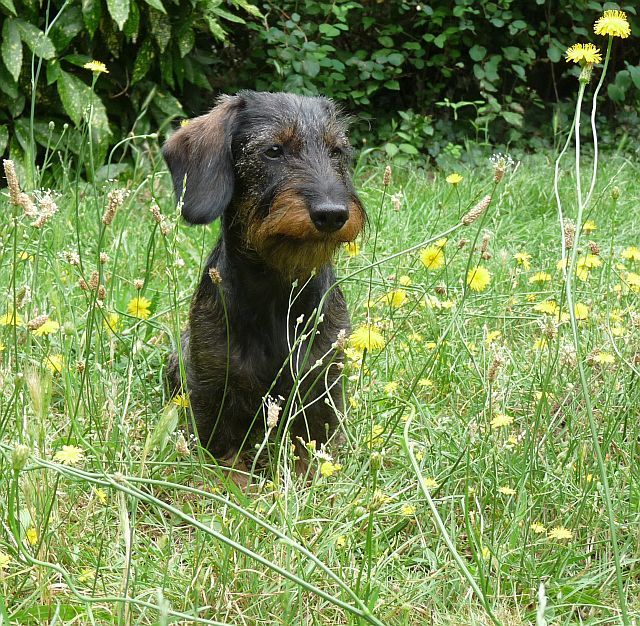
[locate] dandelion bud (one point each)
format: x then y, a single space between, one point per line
569 234
36 322
615 192
52 125
386 179
214 275
477 211
138 283
20 455
376 460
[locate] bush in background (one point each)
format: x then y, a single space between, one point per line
422 77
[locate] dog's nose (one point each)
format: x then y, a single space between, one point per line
329 217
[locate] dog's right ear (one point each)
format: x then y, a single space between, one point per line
199 157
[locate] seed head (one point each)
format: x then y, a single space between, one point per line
36 322
104 258
273 412
615 192
115 199
386 179
214 275
94 280
569 234
477 211
138 283
20 455
594 248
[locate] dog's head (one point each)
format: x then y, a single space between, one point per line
277 167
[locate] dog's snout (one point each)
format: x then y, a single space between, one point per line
329 217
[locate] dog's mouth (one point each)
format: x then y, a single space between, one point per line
296 240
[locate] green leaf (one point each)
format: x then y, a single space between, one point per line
8 4
394 85
311 67
186 40
119 11
66 27
169 105
132 24
514 119
391 149
156 4
634 73
554 54
328 30
7 84
12 48
145 57
160 28
230 17
4 138
407 148
91 13
477 53
37 41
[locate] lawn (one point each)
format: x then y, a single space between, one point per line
468 490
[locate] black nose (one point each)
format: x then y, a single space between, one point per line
329 217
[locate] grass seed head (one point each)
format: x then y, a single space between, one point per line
477 210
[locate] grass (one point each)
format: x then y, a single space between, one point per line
468 478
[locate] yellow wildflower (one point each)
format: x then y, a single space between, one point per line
425 382
69 455
341 541
581 311
352 248
486 553
540 277
604 358
632 253
11 318
550 307
328 469
538 528
32 536
395 298
478 278
112 322
589 261
101 495
181 400
432 257
492 336
376 440
524 259
501 420
430 483
139 307
507 491
367 337
404 280
97 67
454 179
408 510
560 533
54 363
5 559
49 327
614 24
391 387
633 280
583 54
540 343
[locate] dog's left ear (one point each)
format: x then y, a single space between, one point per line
200 161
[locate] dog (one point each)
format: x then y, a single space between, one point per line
267 320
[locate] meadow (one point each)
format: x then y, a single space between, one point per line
470 489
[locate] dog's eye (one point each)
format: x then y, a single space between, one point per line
336 152
274 152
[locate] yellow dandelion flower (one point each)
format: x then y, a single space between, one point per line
550 307
181 400
447 304
540 277
589 261
5 559
395 298
430 483
478 278
367 337
101 495
583 54
454 179
376 439
440 243
538 528
341 541
352 248
69 455
432 257
97 67
501 420
139 307
404 280
633 280
415 337
492 336
524 259
408 510
25 256
48 328
112 322
328 469
11 318
54 363
486 553
632 253
560 533
604 358
581 310
589 226
391 387
618 331
614 24
425 382
32 536
184 123
507 491
540 343
583 274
